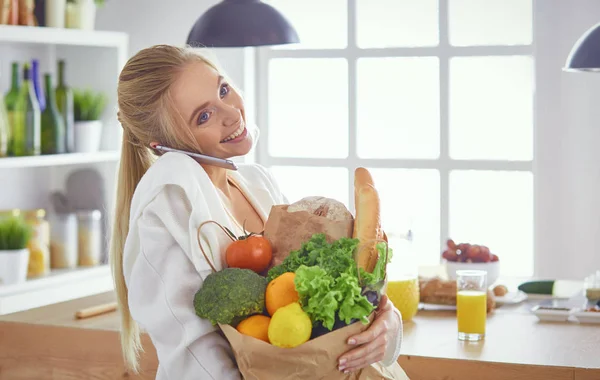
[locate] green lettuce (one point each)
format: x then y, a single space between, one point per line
327 279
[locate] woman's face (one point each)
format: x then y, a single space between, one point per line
213 111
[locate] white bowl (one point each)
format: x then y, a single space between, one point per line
586 316
551 314
492 268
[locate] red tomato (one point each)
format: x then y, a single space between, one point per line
253 252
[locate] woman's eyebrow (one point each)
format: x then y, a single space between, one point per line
204 105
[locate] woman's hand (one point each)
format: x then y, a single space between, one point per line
373 343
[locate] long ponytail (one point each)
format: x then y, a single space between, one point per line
135 161
146 115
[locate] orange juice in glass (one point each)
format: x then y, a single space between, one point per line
402 275
471 304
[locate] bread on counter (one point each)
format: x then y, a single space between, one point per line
436 291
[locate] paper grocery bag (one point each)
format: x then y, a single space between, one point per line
314 360
286 231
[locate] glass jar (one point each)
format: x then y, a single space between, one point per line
592 286
90 237
402 273
39 244
63 241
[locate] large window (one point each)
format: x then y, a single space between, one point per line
435 97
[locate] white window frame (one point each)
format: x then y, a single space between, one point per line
444 163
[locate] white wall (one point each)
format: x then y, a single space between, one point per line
568 135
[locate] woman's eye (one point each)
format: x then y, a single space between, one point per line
224 90
204 116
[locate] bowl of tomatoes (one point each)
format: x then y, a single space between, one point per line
467 256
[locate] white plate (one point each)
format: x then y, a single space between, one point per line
587 316
511 298
548 315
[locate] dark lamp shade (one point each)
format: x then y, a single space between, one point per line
241 23
585 54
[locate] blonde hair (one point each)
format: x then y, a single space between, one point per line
146 114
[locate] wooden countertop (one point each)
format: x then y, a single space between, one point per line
517 345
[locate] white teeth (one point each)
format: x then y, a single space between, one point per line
235 134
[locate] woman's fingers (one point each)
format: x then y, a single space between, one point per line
378 327
365 355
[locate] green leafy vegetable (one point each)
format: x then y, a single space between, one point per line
327 279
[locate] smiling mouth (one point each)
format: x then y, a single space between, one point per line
238 132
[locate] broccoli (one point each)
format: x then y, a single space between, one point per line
230 295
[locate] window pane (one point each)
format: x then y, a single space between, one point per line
308 108
397 23
490 22
319 24
398 107
410 200
297 182
491 108
495 209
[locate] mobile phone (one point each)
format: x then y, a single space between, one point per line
200 158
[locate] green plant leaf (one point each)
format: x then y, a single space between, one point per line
14 234
88 104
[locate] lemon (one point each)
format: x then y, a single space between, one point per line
290 326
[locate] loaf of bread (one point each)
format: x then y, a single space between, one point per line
436 291
367 219
322 206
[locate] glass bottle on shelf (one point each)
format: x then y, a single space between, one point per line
53 128
26 131
10 102
4 128
64 102
37 84
402 273
39 244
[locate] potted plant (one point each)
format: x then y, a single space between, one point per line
14 254
81 14
88 106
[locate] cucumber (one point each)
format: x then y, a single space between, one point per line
537 287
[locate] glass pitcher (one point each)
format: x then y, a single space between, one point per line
403 279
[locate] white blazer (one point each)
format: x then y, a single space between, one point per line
164 266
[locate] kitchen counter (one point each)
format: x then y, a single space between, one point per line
49 343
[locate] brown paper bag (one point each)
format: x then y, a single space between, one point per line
286 231
316 359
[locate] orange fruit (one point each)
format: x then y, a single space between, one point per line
281 292
256 326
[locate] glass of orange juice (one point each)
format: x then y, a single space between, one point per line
471 304
402 273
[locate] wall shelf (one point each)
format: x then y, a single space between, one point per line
58 286
58 160
57 36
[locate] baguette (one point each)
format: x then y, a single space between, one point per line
367 219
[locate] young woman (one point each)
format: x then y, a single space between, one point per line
175 97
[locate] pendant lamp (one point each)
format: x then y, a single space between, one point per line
585 54
241 23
